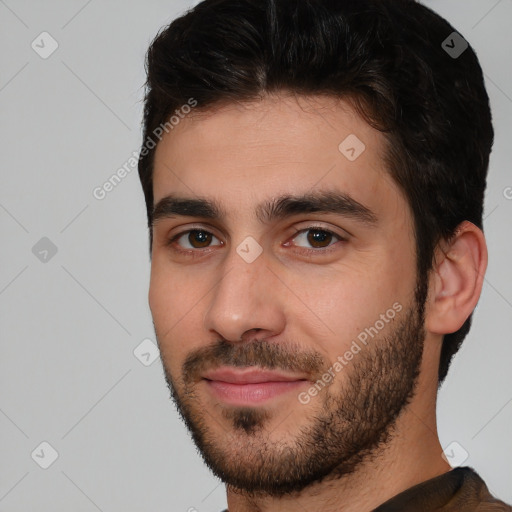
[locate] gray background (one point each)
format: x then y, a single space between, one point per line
70 321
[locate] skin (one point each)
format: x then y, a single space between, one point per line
243 154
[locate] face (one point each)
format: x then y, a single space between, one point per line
283 290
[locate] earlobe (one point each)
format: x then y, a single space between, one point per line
457 279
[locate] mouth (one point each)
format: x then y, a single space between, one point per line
251 386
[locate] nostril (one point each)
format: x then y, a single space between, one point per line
248 333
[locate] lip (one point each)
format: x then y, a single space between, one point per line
250 386
251 376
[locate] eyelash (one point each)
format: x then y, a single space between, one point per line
196 253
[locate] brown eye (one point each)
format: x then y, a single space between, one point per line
195 239
201 238
316 237
321 237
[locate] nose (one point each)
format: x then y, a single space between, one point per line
247 301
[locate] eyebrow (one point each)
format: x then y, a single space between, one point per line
278 208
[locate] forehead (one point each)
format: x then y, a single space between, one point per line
241 154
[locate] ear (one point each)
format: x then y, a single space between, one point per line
456 280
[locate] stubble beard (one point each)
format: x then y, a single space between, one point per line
340 429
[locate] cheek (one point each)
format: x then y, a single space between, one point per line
174 302
349 301
346 308
172 291
160 298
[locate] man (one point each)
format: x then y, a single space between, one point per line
314 174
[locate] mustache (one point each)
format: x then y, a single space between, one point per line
268 356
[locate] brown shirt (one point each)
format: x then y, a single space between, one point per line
458 490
